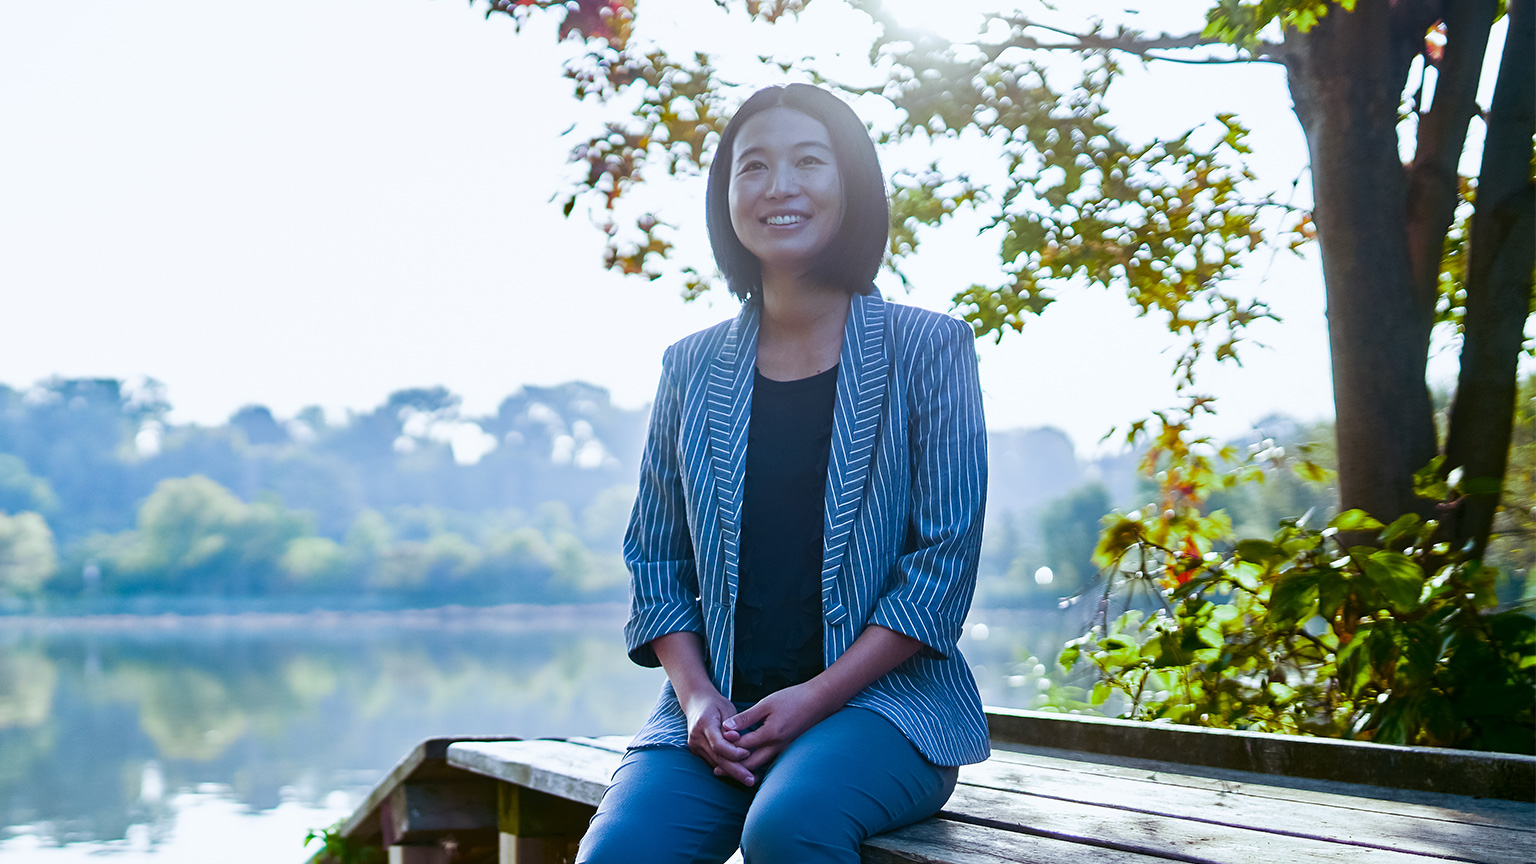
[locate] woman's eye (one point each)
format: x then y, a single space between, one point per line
754 165
811 160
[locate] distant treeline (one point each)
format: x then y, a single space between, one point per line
105 496
101 497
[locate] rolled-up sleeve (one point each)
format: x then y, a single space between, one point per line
935 578
658 548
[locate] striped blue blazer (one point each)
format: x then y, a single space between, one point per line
906 488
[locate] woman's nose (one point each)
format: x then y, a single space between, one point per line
783 183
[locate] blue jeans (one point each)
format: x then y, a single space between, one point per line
848 777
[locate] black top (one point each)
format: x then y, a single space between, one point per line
778 594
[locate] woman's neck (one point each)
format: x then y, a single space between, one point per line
801 330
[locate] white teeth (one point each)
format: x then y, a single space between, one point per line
784 220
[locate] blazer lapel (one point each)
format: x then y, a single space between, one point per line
730 398
861 385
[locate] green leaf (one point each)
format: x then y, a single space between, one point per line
1392 721
1515 630
1354 520
1293 599
1128 620
1210 636
1116 539
1180 713
1225 612
1400 527
1312 472
1429 482
1166 650
1333 590
1247 575
1100 693
1258 551
1354 671
1420 656
1069 656
1481 580
1439 716
1116 643
1194 639
1399 579
1385 635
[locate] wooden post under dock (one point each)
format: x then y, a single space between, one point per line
1058 789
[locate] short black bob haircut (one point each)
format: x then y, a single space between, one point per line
853 257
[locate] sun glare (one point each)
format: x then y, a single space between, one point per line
953 21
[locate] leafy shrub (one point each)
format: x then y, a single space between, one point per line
1355 630
336 849
1307 633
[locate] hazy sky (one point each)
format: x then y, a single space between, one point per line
321 201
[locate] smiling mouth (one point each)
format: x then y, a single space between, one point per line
787 219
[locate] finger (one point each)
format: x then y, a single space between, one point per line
760 757
742 775
762 736
731 753
711 727
748 718
708 757
717 741
723 749
735 771
713 758
702 747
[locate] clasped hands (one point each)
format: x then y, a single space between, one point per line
718 734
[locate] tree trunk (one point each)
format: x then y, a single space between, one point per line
1501 255
1442 135
1346 78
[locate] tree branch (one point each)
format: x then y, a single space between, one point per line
1501 256
1130 42
1214 61
1442 135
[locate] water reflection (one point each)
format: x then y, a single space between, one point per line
95 725
107 727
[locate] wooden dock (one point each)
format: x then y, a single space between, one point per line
1057 789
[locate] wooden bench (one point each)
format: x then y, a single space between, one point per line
1210 796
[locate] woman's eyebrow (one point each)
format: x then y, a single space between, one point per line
756 149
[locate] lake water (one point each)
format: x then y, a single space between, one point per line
226 738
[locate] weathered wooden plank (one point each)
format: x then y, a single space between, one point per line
419 855
1430 769
537 827
1501 812
571 771
536 850
419 812
931 841
529 813
1493 812
1335 824
424 762
1066 804
941 841
1147 834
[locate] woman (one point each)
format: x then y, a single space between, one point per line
803 548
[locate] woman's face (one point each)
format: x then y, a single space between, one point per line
786 196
